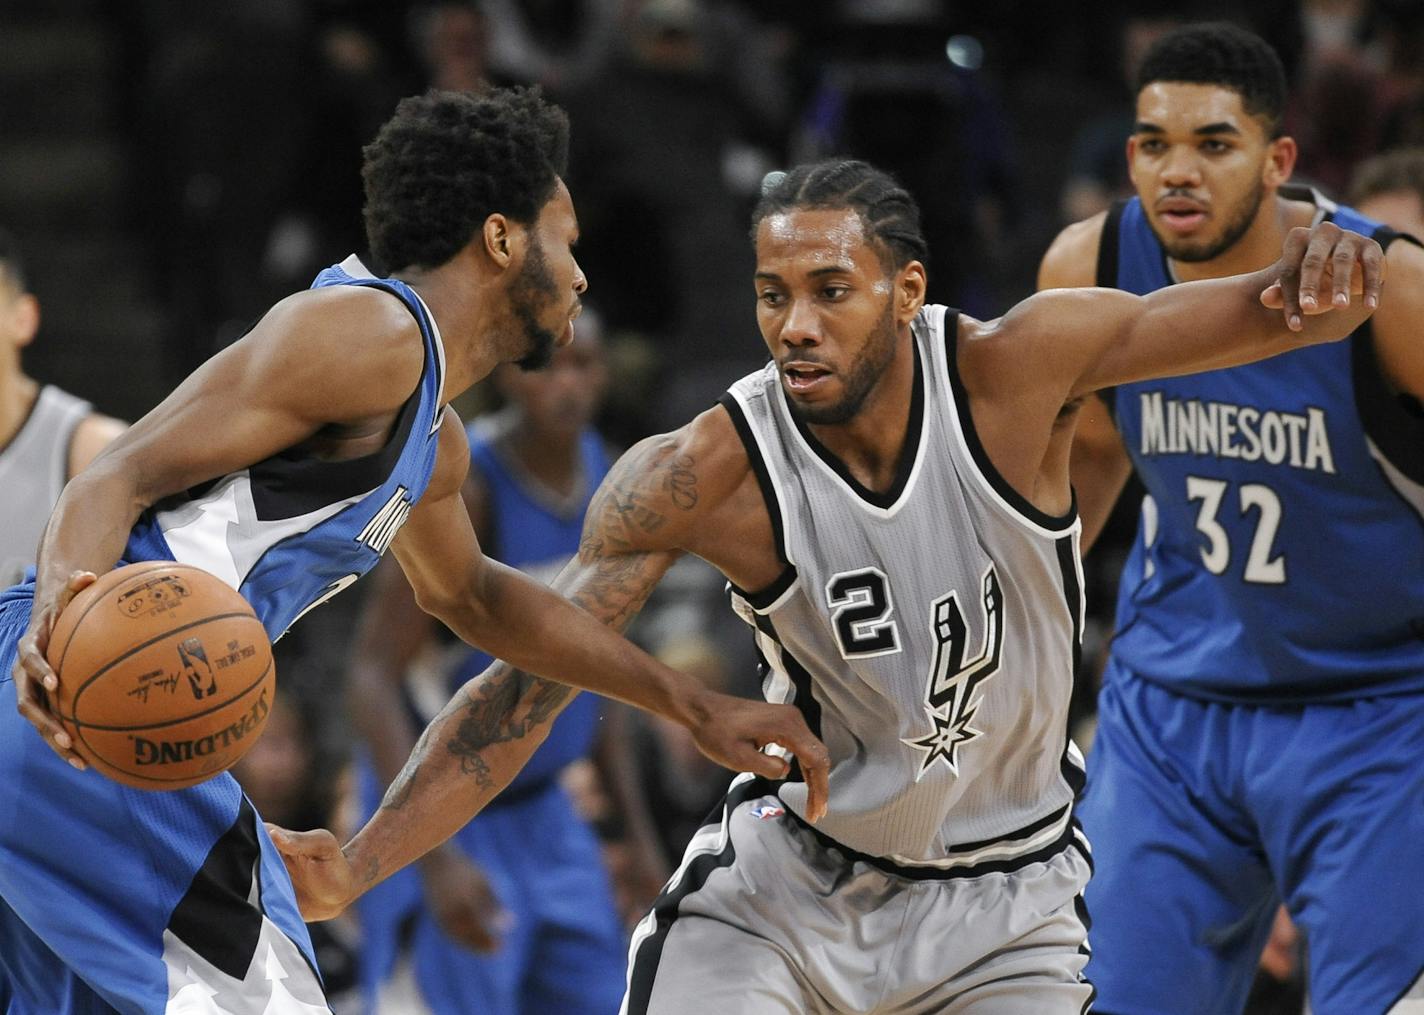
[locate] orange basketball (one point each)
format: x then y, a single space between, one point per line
165 675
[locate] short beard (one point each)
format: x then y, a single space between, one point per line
1188 253
860 380
531 292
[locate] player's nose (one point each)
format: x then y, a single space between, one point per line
1181 168
802 325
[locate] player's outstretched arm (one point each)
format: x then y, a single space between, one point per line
1326 283
471 750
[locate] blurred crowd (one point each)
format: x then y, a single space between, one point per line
243 125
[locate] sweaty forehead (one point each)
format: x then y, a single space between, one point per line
822 235
1179 105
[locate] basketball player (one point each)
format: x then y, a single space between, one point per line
524 884
1389 188
46 435
1261 720
287 465
889 501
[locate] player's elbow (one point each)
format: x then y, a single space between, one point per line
461 604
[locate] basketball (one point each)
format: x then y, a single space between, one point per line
165 675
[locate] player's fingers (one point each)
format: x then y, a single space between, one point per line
77 583
768 766
48 726
1374 264
1292 254
1272 297
815 763
318 844
1342 268
1323 240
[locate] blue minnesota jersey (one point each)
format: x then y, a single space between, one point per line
1280 552
538 537
291 532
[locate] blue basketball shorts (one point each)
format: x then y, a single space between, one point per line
128 900
564 949
1204 816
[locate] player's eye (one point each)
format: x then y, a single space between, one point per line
834 292
1214 146
770 297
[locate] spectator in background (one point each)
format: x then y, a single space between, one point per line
46 435
889 92
561 44
660 151
452 43
1389 188
518 916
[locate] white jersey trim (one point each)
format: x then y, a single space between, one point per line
771 471
856 498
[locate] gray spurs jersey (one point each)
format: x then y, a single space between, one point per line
34 467
929 634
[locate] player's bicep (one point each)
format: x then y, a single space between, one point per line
437 547
327 358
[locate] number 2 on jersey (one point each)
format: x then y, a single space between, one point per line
1261 567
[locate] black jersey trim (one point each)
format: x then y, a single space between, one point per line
909 451
1073 598
951 871
763 474
214 917
766 598
1394 422
986 467
649 952
1108 244
292 483
801 683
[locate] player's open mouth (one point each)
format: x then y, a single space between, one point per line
803 376
1181 216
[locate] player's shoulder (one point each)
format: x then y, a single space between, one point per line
1072 259
357 350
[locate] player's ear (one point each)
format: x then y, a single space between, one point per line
24 319
1280 161
498 241
910 292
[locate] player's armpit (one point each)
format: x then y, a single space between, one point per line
1098 468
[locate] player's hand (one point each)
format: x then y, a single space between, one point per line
34 680
462 901
733 731
321 874
1321 269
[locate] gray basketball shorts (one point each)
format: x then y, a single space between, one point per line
766 916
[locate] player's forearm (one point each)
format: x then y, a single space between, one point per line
539 631
1209 325
468 753
88 528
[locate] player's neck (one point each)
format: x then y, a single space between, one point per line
17 398
1259 246
870 443
465 308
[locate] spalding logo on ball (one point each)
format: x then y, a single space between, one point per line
165 675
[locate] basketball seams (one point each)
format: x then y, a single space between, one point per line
181 719
166 635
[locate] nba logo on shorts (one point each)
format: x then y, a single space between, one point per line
765 811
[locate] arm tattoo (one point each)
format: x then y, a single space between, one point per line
611 580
